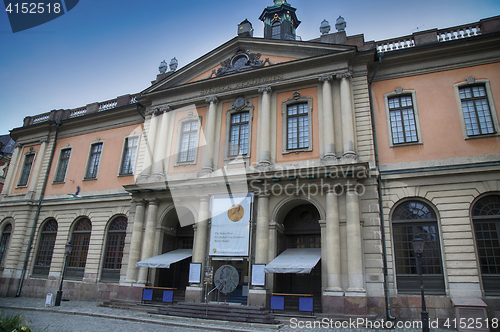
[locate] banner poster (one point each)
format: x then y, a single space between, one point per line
230 233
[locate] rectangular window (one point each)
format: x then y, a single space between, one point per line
238 139
25 173
477 114
93 164
276 30
189 138
402 116
129 155
63 165
297 126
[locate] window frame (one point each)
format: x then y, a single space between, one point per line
122 157
42 273
471 81
3 257
63 180
26 155
249 108
77 272
489 281
86 178
191 117
403 280
399 92
107 273
297 99
276 24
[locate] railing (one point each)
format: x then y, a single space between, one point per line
395 44
78 112
133 99
107 105
41 118
459 32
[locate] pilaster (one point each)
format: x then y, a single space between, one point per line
265 126
135 245
148 241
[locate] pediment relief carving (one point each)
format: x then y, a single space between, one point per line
242 60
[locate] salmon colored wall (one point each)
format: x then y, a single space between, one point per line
274 59
308 155
202 111
24 190
253 138
440 124
107 176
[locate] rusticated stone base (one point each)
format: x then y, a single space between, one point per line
72 290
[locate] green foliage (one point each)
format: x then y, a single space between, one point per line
13 323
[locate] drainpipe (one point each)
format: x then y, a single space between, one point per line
138 104
379 189
40 201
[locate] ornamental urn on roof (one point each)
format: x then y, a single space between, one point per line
163 67
325 27
340 24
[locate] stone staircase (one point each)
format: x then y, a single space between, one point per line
226 312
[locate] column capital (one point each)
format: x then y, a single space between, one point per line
204 198
322 223
18 146
263 194
212 99
325 78
265 89
44 140
344 75
152 201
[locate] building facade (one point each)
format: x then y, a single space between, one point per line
287 124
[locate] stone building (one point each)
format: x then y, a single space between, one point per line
277 135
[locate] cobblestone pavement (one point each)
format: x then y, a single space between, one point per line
80 316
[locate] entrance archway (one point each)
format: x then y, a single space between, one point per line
175 236
301 230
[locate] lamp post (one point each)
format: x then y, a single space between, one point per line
418 246
67 251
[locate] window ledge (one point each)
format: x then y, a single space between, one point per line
58 182
185 163
482 136
89 179
297 150
406 144
125 175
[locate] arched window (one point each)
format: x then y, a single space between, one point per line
114 250
4 243
416 219
276 30
486 219
78 257
45 249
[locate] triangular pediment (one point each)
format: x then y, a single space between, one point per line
244 54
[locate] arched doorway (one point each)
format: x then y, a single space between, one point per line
301 229
178 233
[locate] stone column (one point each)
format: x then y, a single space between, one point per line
272 245
354 242
160 152
208 152
324 254
264 133
149 141
262 232
135 243
328 124
38 165
333 243
347 115
148 240
194 292
257 296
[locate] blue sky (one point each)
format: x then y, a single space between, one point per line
106 48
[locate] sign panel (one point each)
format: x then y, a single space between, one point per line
230 233
258 275
195 273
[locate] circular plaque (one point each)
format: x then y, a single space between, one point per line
235 212
239 102
226 279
